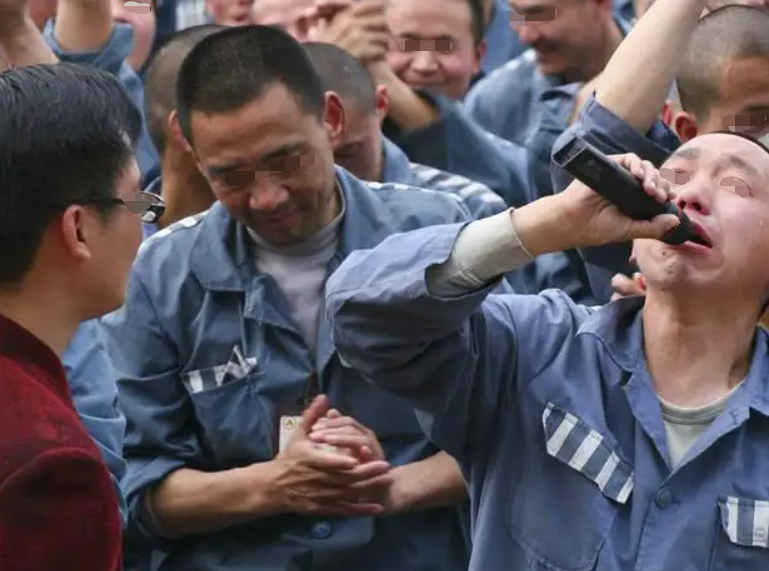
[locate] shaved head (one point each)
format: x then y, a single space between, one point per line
722 38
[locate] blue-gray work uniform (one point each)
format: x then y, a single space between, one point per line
112 58
612 135
550 410
544 272
94 392
209 358
457 144
508 101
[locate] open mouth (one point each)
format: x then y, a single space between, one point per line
700 235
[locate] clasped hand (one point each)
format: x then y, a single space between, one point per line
333 466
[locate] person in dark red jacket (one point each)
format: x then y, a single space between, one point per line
69 232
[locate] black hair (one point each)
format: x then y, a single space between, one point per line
67 133
477 20
341 73
160 78
230 69
721 37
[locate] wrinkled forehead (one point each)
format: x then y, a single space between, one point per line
725 148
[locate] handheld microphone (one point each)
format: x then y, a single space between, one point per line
608 179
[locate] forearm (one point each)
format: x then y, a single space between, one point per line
490 248
636 81
189 502
432 483
24 45
83 25
407 111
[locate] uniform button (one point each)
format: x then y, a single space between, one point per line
663 499
321 530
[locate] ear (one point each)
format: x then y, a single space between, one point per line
480 53
667 114
76 231
382 101
334 118
174 133
685 126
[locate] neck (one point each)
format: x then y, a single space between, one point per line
696 351
610 38
38 313
185 190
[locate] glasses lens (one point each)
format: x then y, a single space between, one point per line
137 203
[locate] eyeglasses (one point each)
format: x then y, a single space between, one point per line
150 205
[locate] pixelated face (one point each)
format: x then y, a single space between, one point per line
722 183
432 46
288 15
360 149
270 164
743 104
141 17
563 33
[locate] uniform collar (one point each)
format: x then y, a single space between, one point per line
221 259
396 166
619 328
19 344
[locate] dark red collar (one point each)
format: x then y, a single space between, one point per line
19 344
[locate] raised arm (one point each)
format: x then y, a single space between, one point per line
415 317
83 25
21 43
636 82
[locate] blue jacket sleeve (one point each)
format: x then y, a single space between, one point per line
457 144
612 135
460 361
95 396
160 437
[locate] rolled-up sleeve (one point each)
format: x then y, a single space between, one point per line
160 435
458 361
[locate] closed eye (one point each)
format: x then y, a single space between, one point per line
674 176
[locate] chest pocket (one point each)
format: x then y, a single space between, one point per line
572 485
233 425
743 538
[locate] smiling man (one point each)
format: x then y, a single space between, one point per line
620 437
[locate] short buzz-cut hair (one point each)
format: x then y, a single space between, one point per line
230 69
160 78
723 36
341 73
67 133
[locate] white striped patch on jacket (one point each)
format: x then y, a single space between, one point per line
583 449
745 521
207 379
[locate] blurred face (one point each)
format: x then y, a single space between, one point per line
143 24
563 33
230 12
722 184
271 164
743 104
433 45
360 149
105 249
285 14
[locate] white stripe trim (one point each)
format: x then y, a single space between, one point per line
556 441
732 515
603 477
586 450
196 381
761 524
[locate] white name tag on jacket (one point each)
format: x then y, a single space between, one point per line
288 427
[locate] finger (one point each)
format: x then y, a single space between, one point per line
330 461
372 484
366 471
327 423
356 441
655 229
313 413
351 509
650 182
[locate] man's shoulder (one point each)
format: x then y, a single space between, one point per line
411 203
178 237
508 79
443 181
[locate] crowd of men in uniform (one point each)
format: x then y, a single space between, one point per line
294 285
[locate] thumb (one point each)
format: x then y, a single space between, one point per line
656 228
313 413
